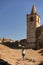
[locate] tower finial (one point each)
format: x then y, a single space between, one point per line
33 10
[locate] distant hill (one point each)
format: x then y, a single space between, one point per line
6 40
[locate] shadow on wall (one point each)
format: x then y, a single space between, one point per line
3 62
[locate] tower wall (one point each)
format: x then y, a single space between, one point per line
31 27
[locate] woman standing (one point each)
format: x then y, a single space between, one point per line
23 53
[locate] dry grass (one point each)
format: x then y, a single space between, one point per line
14 57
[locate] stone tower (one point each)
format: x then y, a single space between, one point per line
33 21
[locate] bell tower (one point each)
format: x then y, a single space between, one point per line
33 21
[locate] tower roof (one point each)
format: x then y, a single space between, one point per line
33 11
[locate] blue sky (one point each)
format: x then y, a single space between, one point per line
13 17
